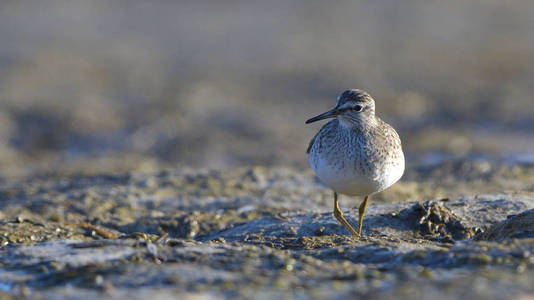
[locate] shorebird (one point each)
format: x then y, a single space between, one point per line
356 153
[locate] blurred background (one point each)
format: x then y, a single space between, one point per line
117 86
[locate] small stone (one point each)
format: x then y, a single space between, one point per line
292 231
320 231
99 280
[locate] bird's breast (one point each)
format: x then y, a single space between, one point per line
347 167
342 177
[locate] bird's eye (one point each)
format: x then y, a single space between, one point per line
357 108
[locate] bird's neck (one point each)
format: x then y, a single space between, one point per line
360 123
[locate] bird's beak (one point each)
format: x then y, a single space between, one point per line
329 114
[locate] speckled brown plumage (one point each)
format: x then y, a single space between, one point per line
356 153
367 148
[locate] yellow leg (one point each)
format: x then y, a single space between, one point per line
339 216
361 212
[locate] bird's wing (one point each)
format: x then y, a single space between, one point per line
311 143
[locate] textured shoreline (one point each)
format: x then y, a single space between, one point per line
267 232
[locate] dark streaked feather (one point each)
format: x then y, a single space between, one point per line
311 143
333 122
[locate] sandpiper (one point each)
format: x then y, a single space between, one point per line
356 154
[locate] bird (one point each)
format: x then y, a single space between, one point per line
356 153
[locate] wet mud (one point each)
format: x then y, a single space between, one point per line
268 232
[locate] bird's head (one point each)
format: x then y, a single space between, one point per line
353 107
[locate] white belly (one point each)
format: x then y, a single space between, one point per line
347 179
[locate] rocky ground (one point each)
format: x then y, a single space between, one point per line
456 229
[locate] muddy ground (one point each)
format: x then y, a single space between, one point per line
102 103
456 229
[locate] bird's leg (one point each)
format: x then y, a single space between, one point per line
339 216
361 211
